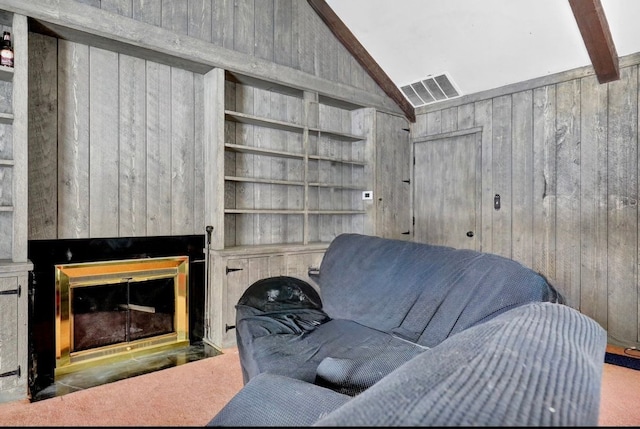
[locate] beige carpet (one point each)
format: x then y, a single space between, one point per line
191 394
186 395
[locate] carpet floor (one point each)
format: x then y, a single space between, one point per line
191 394
185 395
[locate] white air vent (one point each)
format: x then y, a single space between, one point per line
430 90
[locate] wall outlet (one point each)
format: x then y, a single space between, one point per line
367 195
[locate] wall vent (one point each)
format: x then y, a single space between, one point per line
430 90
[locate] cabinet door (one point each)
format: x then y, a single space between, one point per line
241 273
11 371
298 265
392 192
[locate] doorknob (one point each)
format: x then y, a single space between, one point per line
469 233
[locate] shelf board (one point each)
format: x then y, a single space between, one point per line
244 118
338 160
294 212
335 135
6 208
264 211
263 84
260 151
6 118
334 186
270 249
266 181
8 162
6 73
337 212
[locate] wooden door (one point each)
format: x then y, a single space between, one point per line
446 189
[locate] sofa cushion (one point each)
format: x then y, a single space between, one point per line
422 292
298 355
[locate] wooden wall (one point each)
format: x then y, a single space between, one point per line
562 152
285 32
116 141
115 144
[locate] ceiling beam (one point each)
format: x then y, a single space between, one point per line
346 37
595 32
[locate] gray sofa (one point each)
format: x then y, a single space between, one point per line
402 333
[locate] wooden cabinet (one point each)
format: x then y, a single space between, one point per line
14 266
233 271
13 331
292 168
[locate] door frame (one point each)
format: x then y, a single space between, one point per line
477 131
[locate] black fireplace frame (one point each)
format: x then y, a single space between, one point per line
45 254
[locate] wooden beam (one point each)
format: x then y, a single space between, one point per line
346 37
594 28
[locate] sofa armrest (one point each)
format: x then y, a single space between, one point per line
536 365
275 400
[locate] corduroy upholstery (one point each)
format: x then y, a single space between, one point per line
539 364
405 333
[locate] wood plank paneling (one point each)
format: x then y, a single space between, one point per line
175 16
522 190
544 181
158 144
199 19
502 171
244 26
593 199
568 190
132 149
103 143
121 7
283 38
73 130
484 118
43 132
264 29
622 218
147 11
563 156
182 152
233 27
202 164
129 140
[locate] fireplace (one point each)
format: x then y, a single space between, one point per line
111 310
108 299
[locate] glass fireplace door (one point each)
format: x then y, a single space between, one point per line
103 315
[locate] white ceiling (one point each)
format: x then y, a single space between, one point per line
480 44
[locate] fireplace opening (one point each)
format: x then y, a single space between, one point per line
117 309
121 313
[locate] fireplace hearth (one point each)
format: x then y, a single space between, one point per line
107 311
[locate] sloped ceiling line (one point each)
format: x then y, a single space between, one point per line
346 37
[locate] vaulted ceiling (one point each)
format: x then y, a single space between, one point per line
484 44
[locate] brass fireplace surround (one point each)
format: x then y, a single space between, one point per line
79 275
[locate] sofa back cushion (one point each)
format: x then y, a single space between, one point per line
421 292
